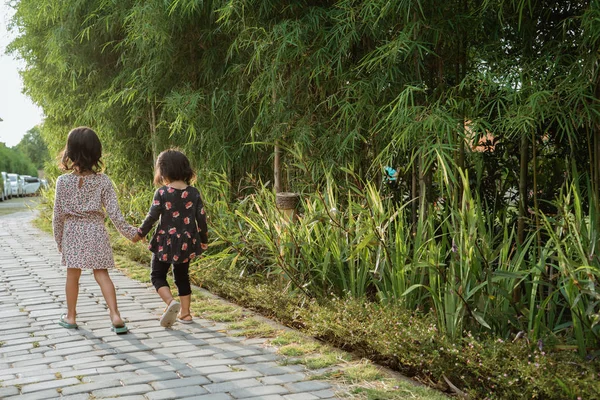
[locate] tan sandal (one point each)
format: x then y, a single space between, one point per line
185 321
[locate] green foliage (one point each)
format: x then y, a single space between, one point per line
34 147
13 161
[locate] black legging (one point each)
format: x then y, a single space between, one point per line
180 273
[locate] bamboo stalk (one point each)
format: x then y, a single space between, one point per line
522 190
535 196
153 133
277 169
413 195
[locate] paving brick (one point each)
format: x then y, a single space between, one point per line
101 364
38 360
90 387
28 380
307 386
79 396
74 362
300 396
8 391
281 379
7 348
118 376
122 391
59 383
213 369
269 397
272 369
212 396
181 382
88 372
149 378
140 365
258 391
176 393
259 358
156 370
230 376
209 361
41 395
7 376
232 385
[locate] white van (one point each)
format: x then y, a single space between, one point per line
7 187
15 183
31 184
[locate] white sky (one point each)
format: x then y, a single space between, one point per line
18 112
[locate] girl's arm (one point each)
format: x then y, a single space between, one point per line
111 204
201 223
58 216
152 216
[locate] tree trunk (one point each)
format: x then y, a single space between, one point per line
523 189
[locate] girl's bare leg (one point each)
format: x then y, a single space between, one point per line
165 294
110 295
185 306
72 292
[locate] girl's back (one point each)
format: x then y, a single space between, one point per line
81 195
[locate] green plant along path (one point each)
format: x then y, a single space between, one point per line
474 266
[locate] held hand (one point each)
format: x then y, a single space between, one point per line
136 238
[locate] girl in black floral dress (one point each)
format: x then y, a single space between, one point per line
180 236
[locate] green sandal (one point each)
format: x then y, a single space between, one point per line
65 324
119 330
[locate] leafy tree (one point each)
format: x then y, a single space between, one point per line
15 162
34 147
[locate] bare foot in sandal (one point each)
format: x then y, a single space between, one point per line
185 319
170 315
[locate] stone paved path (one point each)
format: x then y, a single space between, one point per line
41 360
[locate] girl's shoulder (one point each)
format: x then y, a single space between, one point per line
161 190
192 192
102 178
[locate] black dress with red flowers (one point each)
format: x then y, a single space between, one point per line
181 233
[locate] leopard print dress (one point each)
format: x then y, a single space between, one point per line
78 220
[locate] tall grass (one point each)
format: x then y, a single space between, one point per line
575 268
461 264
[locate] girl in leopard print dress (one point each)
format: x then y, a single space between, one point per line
81 199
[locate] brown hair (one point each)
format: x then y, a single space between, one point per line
173 165
82 152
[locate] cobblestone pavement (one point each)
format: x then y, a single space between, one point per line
41 360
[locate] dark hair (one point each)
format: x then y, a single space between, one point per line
173 165
83 151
